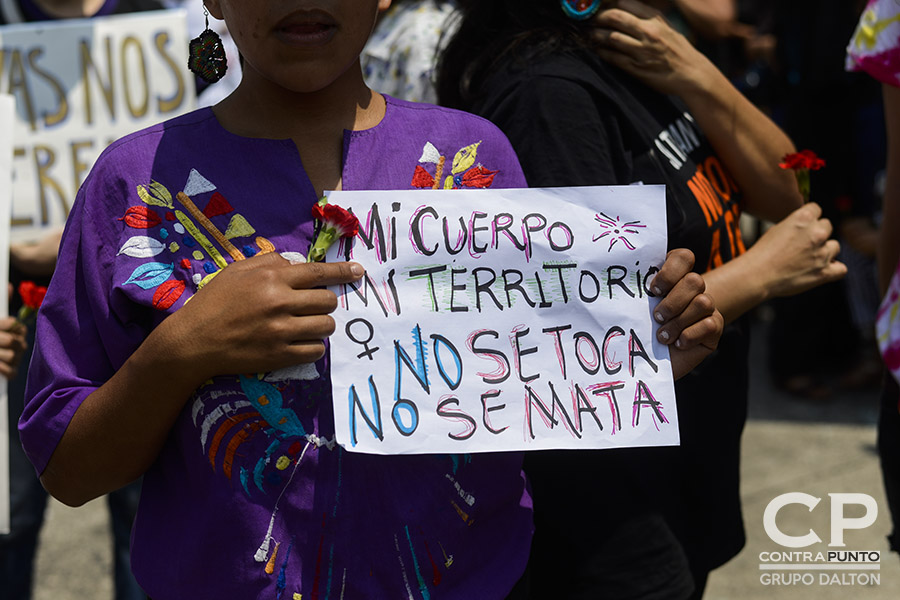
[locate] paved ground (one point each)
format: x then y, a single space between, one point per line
790 445
817 447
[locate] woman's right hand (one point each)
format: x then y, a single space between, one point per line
256 316
797 253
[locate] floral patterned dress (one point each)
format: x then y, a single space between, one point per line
875 49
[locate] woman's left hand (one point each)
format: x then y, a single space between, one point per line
12 346
690 323
638 39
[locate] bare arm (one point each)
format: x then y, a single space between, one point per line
36 259
638 40
889 242
710 18
793 256
256 316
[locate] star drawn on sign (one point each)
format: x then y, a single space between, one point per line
616 230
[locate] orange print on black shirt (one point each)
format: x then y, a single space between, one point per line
713 188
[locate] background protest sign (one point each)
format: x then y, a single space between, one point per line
7 108
502 320
79 85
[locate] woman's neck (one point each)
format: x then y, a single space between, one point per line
70 9
314 121
260 108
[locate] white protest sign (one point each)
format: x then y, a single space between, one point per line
495 320
79 85
7 109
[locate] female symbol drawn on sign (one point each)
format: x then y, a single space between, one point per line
368 352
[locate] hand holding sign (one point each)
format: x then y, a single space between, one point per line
688 317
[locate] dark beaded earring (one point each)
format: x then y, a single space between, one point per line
207 55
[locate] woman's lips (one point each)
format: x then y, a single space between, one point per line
306 31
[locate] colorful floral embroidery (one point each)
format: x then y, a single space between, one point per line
217 206
141 246
141 217
257 430
207 244
464 171
150 275
168 294
155 194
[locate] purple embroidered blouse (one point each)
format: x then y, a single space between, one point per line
250 497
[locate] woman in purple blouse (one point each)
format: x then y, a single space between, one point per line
246 494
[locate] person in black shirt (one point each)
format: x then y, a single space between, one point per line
620 99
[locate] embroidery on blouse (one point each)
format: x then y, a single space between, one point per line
181 246
464 172
200 236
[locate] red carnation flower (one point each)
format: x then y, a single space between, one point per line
32 298
802 163
805 159
335 222
32 294
343 221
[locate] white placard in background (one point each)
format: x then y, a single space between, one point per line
7 110
494 320
79 85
